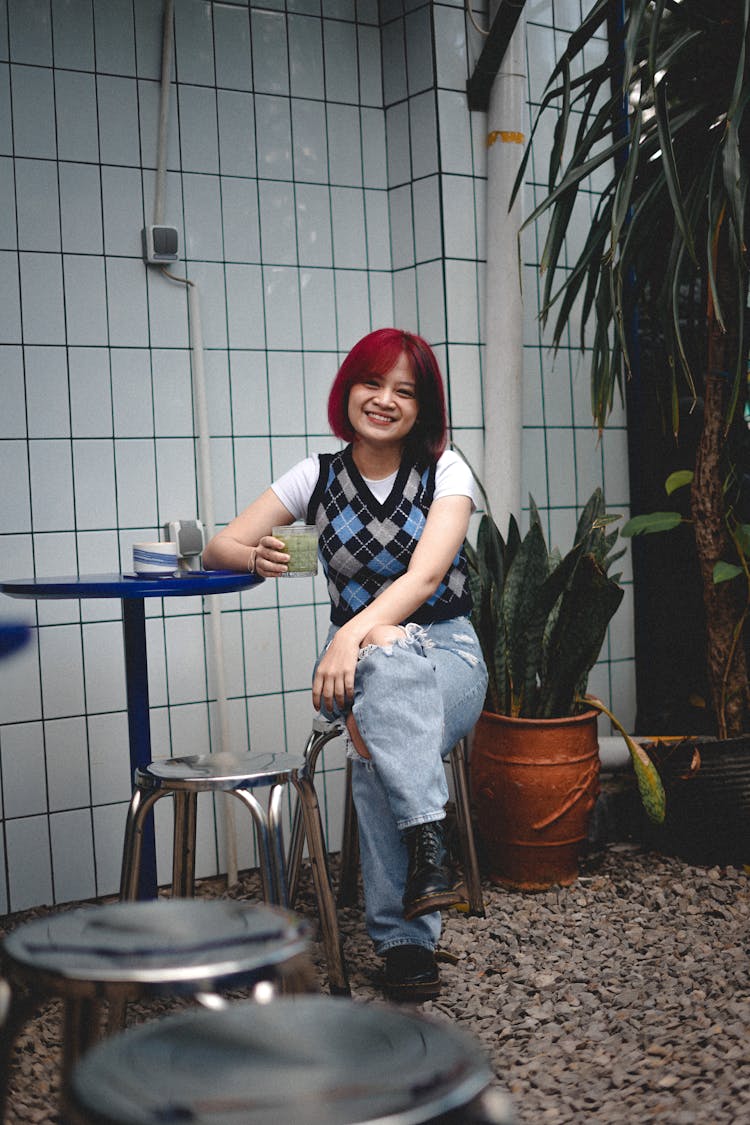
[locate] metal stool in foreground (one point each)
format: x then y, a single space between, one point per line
323 732
241 775
315 1060
97 959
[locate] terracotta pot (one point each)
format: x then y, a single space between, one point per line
534 783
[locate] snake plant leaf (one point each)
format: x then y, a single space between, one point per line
483 587
498 657
650 785
647 776
526 576
592 511
491 548
513 542
578 636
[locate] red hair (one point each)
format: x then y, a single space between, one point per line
376 354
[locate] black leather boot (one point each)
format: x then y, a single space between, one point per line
411 974
432 882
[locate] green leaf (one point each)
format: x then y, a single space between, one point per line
742 534
525 578
653 521
650 785
586 610
725 572
666 137
678 480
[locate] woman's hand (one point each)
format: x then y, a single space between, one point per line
245 542
270 558
334 677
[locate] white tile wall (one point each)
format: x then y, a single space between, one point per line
325 178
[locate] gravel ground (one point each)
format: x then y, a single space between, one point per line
624 998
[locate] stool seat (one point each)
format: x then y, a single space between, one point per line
122 952
165 945
313 1060
221 771
239 775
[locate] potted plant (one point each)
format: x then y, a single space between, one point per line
541 620
708 779
661 116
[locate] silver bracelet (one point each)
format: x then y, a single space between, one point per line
252 560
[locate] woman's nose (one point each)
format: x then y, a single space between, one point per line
384 396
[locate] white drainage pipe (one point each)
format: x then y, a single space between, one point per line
503 371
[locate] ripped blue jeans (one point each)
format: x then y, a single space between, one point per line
413 700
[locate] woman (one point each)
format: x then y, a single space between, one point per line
401 663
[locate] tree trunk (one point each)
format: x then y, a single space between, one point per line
726 662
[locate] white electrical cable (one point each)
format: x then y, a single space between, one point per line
472 17
205 486
206 508
163 123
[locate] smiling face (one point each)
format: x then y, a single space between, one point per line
383 408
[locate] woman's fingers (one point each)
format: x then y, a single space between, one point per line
334 676
333 688
270 558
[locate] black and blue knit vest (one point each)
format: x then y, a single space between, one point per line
365 545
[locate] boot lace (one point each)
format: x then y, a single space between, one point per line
429 849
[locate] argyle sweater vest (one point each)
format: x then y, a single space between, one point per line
365 546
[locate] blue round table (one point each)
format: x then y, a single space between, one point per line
132 590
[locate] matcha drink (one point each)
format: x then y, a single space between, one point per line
301 544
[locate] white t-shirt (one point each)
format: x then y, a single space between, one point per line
453 477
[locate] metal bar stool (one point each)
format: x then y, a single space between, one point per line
97 959
316 1060
240 775
323 732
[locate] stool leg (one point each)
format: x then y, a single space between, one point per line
315 744
21 1006
141 803
277 843
82 1027
466 835
337 978
262 836
347 892
183 847
117 1012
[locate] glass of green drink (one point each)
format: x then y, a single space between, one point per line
301 544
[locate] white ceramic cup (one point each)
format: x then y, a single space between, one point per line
155 558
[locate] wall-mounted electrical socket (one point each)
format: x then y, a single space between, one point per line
189 537
160 244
